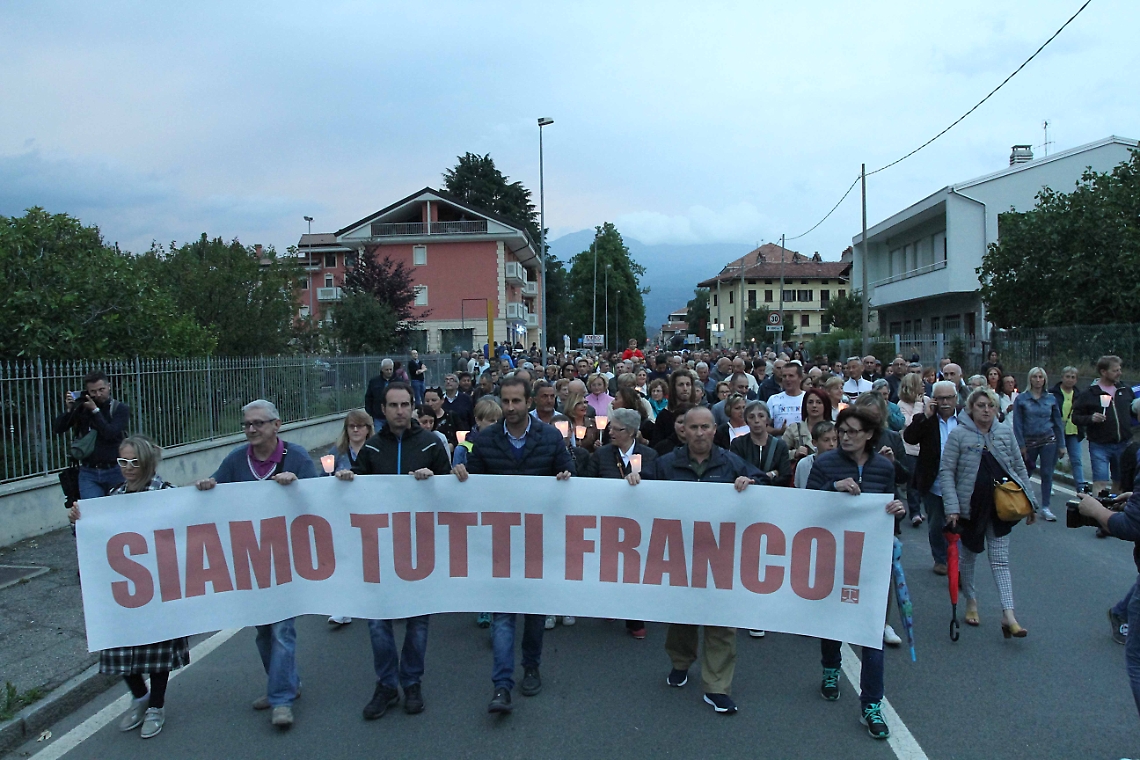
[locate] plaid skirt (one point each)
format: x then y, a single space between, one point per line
148 658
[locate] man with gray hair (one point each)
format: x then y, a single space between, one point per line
372 397
265 456
953 373
930 431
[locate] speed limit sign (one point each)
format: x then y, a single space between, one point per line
775 322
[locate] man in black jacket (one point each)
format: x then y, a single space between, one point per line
457 403
522 445
1104 409
95 410
373 396
398 448
929 431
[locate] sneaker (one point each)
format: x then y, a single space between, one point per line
1048 514
872 718
722 703
637 633
940 568
133 717
532 682
569 620
916 521
1119 630
501 702
282 716
756 634
829 687
677 677
383 698
413 699
155 717
890 638
262 703
339 621
484 620
551 621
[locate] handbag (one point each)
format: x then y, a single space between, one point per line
1011 504
83 446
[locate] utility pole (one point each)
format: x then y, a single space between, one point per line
607 327
863 268
543 342
594 322
780 337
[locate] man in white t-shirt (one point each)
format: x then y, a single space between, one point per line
855 383
785 407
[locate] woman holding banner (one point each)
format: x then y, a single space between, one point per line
856 467
356 431
138 460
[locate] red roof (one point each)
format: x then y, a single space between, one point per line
769 260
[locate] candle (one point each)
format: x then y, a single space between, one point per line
580 431
1105 401
635 463
563 427
328 462
461 435
601 421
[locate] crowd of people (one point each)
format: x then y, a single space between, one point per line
953 451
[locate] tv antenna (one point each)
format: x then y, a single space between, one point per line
1047 142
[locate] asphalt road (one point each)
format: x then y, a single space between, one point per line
1060 693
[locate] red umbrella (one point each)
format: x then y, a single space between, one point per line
951 536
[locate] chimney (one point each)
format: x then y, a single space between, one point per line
817 258
1021 154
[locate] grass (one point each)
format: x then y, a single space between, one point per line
11 701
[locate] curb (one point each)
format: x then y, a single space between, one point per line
61 702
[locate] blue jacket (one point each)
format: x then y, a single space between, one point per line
878 474
544 452
1037 418
1126 525
235 467
721 467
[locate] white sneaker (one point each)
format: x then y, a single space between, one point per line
1048 515
282 716
152 724
569 620
890 638
133 717
339 620
551 621
756 634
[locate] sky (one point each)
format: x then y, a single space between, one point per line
683 123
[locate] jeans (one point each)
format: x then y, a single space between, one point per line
1105 459
937 518
1120 609
94 482
418 391
1132 645
277 645
1048 457
503 644
387 661
913 497
871 678
1073 449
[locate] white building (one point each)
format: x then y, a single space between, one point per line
922 262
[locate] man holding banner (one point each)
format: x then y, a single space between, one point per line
267 457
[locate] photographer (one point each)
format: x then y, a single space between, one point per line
93 410
1125 525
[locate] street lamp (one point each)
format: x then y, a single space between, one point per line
545 121
607 327
617 321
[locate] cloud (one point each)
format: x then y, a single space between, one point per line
740 222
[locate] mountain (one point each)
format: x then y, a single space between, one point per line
671 271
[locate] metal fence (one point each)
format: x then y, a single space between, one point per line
1053 348
177 401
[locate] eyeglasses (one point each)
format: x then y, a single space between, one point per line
128 463
945 398
254 424
852 432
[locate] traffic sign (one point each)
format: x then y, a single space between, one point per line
775 319
775 328
593 340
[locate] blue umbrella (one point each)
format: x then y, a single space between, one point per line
902 597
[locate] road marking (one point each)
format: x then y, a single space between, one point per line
92 725
901 740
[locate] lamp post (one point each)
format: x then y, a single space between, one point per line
594 319
542 122
607 327
617 322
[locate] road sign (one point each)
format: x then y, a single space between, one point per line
775 328
593 340
775 319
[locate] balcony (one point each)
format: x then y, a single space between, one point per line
516 312
896 277
530 290
328 294
515 273
531 320
416 229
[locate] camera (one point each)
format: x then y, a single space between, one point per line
78 397
1074 518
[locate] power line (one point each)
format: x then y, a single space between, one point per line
952 125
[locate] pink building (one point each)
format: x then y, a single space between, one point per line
462 259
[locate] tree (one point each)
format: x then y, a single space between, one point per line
1062 262
845 313
478 182
243 295
557 312
697 314
388 283
364 324
627 312
756 327
70 296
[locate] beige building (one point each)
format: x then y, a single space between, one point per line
754 281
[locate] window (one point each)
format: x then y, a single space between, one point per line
804 296
731 296
805 320
896 328
935 324
330 261
732 323
940 246
304 312
907 327
350 259
824 296
715 300
419 255
752 282
789 295
952 323
421 295
767 282
305 284
840 294
328 281
767 296
803 282
824 326
752 299
824 282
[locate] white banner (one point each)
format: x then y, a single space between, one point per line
170 563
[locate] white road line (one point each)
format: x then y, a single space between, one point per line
91 726
901 740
